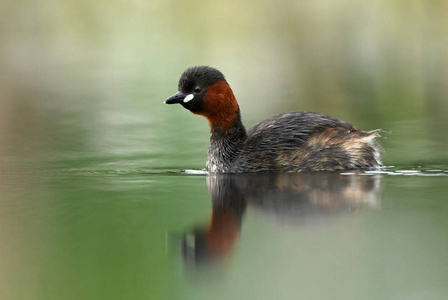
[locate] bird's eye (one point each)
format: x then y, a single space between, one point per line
197 89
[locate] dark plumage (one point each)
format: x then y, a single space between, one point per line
289 142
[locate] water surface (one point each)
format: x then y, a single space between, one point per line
90 234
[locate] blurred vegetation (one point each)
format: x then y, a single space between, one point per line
84 78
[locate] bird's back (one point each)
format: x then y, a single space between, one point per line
305 141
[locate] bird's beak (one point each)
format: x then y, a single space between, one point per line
176 98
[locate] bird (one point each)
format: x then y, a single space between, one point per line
288 142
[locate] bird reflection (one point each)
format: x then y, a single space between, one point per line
297 198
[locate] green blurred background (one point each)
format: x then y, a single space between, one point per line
90 156
84 77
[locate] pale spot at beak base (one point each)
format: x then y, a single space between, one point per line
189 97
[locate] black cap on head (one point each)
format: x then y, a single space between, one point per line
202 76
193 84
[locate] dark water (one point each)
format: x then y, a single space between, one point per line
101 193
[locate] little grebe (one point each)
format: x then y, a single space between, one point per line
289 142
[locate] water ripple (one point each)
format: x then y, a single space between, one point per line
387 171
394 171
